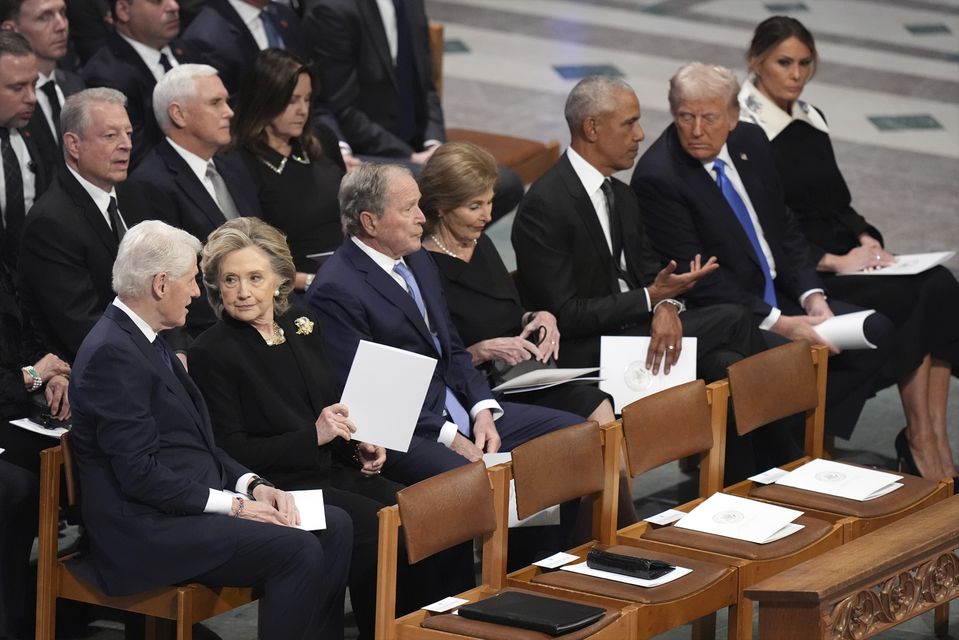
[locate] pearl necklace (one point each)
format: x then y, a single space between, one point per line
443 248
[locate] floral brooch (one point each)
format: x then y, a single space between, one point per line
304 326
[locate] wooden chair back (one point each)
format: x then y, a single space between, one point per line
436 56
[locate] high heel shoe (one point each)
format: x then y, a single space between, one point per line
906 463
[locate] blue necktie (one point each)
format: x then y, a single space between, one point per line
160 345
269 18
742 214
453 406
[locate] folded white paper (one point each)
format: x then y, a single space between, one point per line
543 379
384 391
846 331
582 568
665 517
769 476
622 362
493 459
310 504
907 264
735 517
447 603
841 480
556 560
30 425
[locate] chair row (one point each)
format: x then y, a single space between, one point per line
683 421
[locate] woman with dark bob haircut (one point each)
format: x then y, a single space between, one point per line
297 165
782 59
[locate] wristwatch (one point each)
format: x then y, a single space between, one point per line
679 304
254 483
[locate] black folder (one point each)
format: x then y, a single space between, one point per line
527 611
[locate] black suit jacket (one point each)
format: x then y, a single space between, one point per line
147 459
220 33
686 214
264 413
566 267
358 80
119 66
49 147
66 260
11 245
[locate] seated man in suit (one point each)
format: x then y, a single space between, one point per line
23 177
231 33
71 236
709 185
187 182
137 53
44 24
156 501
382 286
377 80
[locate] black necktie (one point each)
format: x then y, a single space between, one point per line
50 89
119 229
408 116
15 211
615 232
165 62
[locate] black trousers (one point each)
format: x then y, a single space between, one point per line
19 500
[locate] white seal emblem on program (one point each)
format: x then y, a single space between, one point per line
830 476
637 377
729 516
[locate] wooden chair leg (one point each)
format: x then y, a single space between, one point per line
732 624
704 628
151 628
941 620
46 628
744 619
184 615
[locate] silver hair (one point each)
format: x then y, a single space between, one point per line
366 188
150 248
592 96
177 85
75 115
698 81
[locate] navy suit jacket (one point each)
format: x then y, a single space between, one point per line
49 148
685 214
357 300
358 79
119 66
229 46
146 457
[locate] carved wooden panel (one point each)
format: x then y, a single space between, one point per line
903 596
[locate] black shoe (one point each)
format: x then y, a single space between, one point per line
907 463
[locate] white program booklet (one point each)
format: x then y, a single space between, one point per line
384 392
622 362
907 264
842 480
310 504
675 574
741 518
30 425
544 378
548 516
846 331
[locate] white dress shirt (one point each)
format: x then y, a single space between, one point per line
44 101
218 501
198 166
386 263
151 56
28 174
100 197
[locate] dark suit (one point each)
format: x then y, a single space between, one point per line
10 240
686 214
119 66
48 144
357 300
147 460
229 46
66 260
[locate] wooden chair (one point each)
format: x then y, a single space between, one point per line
450 509
791 379
583 460
691 419
528 158
184 604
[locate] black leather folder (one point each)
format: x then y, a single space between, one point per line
527 611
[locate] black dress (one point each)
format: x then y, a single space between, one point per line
923 307
484 303
298 197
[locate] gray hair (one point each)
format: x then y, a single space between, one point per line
698 81
177 85
75 115
592 96
150 248
366 188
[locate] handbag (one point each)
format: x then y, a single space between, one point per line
501 372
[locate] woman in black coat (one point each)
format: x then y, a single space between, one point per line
782 58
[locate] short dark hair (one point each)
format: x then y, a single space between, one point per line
771 32
14 44
10 9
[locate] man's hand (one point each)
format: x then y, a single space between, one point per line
56 395
485 434
669 284
801 328
271 505
465 447
816 306
666 339
334 422
351 161
420 157
371 458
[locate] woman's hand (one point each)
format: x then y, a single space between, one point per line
371 458
334 422
549 345
50 365
861 258
509 350
56 395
